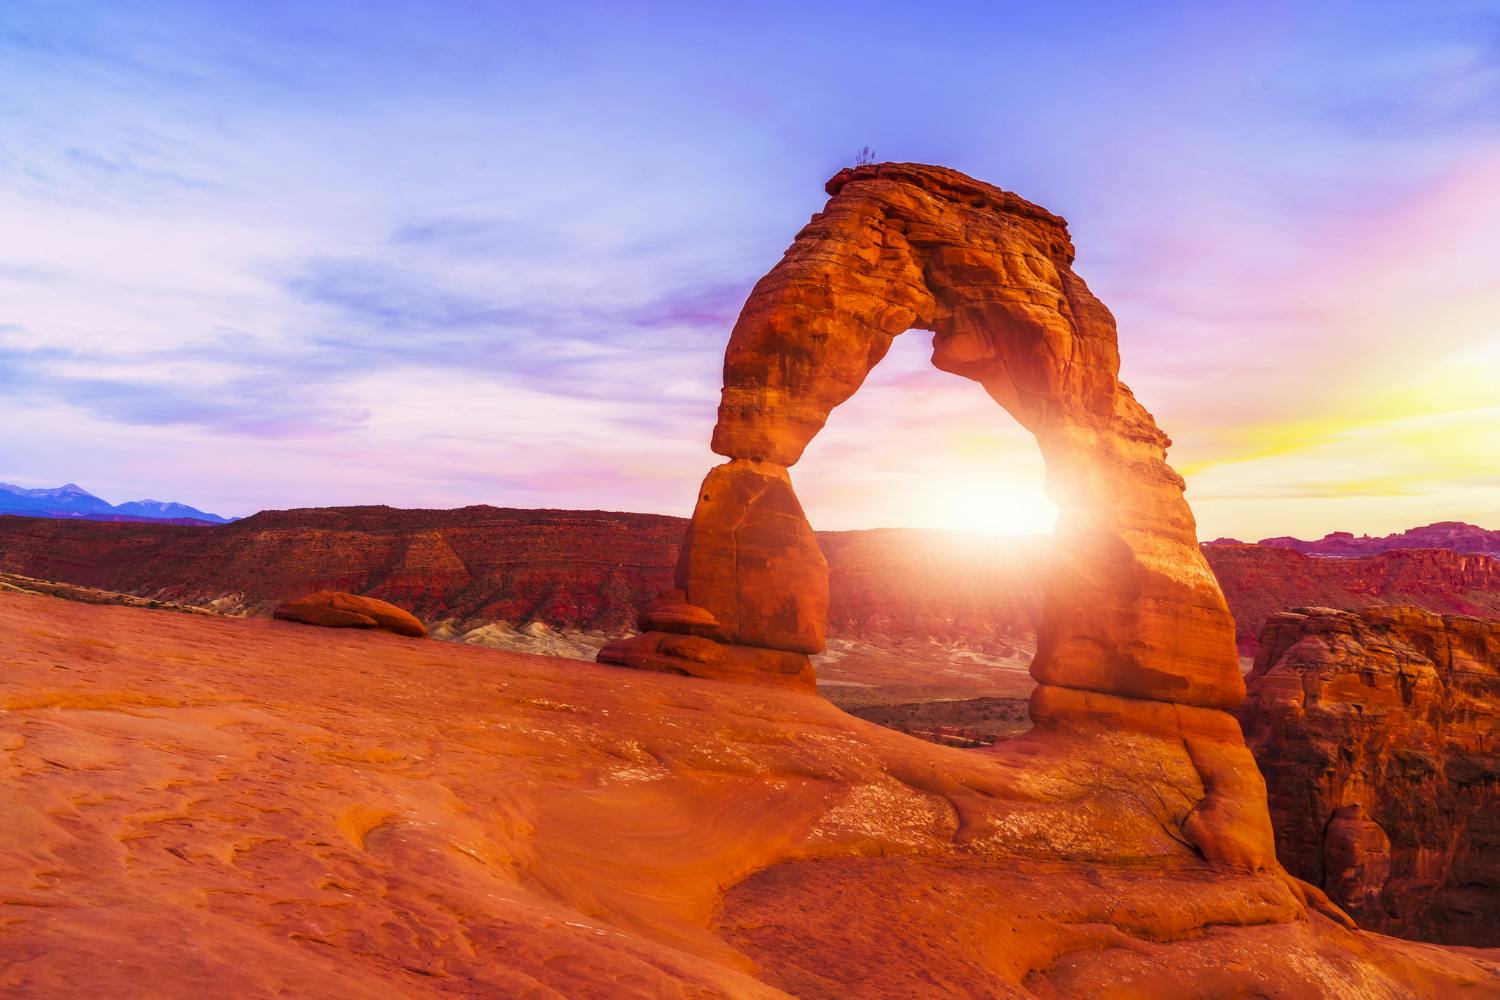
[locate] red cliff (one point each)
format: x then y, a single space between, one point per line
1379 737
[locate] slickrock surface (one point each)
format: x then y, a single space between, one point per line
335 609
1130 606
1379 735
199 806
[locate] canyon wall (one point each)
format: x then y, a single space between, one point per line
1260 580
595 570
590 570
1379 736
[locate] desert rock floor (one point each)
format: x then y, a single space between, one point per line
197 806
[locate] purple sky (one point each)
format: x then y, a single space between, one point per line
440 254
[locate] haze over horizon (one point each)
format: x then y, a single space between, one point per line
300 257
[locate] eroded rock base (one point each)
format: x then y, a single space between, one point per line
694 656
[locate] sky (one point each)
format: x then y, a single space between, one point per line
266 255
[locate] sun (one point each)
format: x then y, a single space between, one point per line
989 502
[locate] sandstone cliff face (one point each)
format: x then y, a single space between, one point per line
595 570
1379 736
1260 580
590 570
574 569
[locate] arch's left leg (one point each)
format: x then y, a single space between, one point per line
752 587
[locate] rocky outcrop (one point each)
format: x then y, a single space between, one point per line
1379 736
332 609
1130 607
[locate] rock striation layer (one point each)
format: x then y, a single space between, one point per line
1260 580
1379 736
596 570
1130 608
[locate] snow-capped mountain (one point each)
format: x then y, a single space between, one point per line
72 500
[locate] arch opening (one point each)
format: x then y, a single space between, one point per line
917 448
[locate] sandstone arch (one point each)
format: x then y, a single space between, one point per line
1131 609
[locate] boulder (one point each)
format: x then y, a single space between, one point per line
335 609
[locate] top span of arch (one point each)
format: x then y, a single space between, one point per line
961 189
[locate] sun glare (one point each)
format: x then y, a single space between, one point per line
993 504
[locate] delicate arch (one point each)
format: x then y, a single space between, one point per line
1131 607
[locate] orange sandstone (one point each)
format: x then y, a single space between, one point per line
1135 636
334 609
1131 607
198 806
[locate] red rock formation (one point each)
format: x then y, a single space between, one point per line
1130 608
597 570
1135 641
570 569
575 569
1456 536
1259 581
1379 736
333 609
201 806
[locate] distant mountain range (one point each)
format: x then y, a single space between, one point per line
1455 536
73 501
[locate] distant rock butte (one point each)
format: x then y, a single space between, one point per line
1379 736
1455 536
201 806
333 609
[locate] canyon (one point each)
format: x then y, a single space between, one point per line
593 571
